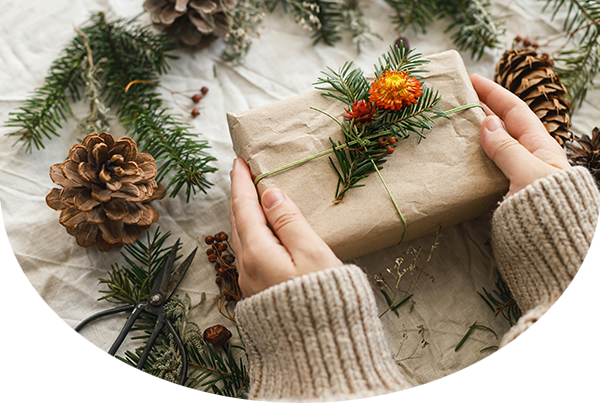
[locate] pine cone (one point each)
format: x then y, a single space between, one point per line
530 76
107 190
194 23
586 153
480 387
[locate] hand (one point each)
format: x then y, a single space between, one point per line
264 257
514 138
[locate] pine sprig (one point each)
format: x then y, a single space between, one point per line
501 301
129 53
579 66
472 24
349 86
141 111
131 283
217 370
47 109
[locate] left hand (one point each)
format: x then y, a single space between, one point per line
264 257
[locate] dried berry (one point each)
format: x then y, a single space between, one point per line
196 98
381 140
212 258
195 112
216 335
526 42
218 237
218 280
403 42
210 251
203 90
392 140
389 149
209 240
222 247
224 236
518 38
229 258
221 271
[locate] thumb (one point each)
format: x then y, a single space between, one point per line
518 165
288 223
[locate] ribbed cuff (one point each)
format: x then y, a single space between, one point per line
541 235
317 337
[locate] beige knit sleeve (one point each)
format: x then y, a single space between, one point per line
540 237
317 336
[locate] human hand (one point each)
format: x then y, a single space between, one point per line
268 257
514 138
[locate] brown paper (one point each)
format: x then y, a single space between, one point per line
444 180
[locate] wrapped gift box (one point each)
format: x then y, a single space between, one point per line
442 180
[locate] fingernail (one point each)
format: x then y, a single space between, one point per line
272 198
494 124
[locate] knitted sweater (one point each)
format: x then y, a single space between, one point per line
318 336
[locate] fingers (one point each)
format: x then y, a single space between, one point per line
519 121
514 160
294 232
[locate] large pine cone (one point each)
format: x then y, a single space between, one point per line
107 190
529 75
480 387
586 153
194 23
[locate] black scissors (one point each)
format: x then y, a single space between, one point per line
166 282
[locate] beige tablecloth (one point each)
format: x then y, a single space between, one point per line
282 63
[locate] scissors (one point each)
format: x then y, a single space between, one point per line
165 283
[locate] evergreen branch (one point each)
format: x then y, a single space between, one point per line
331 18
474 26
47 108
398 59
165 137
502 301
349 83
414 13
132 284
579 67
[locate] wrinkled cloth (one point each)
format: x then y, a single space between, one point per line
282 63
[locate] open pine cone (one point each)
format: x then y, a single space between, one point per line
107 187
480 387
194 23
586 153
529 75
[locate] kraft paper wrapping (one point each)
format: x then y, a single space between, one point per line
441 181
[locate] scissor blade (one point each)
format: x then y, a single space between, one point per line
161 284
177 276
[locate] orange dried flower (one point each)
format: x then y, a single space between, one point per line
361 111
395 89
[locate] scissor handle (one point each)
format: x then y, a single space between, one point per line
136 311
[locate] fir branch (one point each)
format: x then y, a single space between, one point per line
579 66
354 21
501 301
473 25
48 107
331 18
132 283
140 108
416 14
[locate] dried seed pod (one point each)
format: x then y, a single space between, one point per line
204 90
392 140
195 112
224 237
210 251
389 149
216 335
209 240
222 247
196 98
212 258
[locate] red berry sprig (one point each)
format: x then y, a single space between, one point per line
221 254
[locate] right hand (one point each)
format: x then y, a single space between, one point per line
514 138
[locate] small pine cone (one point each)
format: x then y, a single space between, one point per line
216 335
195 23
107 187
586 152
529 75
477 387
